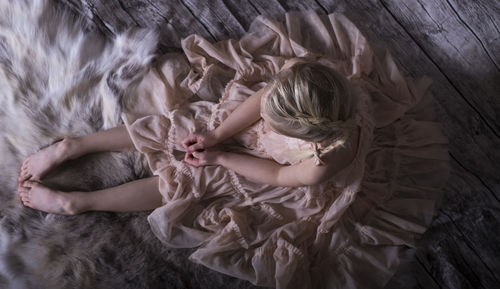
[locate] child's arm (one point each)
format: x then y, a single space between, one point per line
270 172
265 171
243 116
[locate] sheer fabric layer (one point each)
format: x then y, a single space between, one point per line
345 233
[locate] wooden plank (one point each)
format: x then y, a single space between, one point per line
270 8
472 210
173 20
468 188
300 5
170 38
87 10
276 9
423 279
183 19
121 15
455 50
412 275
478 246
243 11
218 19
450 260
230 19
482 18
111 12
442 259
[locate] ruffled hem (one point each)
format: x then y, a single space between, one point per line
396 203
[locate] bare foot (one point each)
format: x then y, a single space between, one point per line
39 197
39 163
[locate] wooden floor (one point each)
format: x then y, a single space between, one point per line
455 42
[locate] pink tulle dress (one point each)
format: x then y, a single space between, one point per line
347 232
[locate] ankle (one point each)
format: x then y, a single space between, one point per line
71 203
71 148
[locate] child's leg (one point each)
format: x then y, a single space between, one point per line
38 164
139 195
113 139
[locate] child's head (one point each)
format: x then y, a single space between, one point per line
310 101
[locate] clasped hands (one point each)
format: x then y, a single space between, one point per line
200 149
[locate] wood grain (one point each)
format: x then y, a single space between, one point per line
482 18
217 18
456 50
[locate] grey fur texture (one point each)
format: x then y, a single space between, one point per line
59 77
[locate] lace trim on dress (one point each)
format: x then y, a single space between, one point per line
238 187
232 226
211 120
180 166
281 243
216 110
338 207
291 247
271 211
181 169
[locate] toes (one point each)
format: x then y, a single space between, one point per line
22 172
21 188
24 177
23 191
24 196
25 165
26 203
29 184
25 174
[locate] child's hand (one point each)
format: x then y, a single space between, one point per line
206 157
199 141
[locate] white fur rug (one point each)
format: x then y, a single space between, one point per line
60 77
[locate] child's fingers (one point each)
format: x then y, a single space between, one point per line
198 155
188 141
190 159
196 147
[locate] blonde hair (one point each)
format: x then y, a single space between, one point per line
311 101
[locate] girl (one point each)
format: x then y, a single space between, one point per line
308 101
310 171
